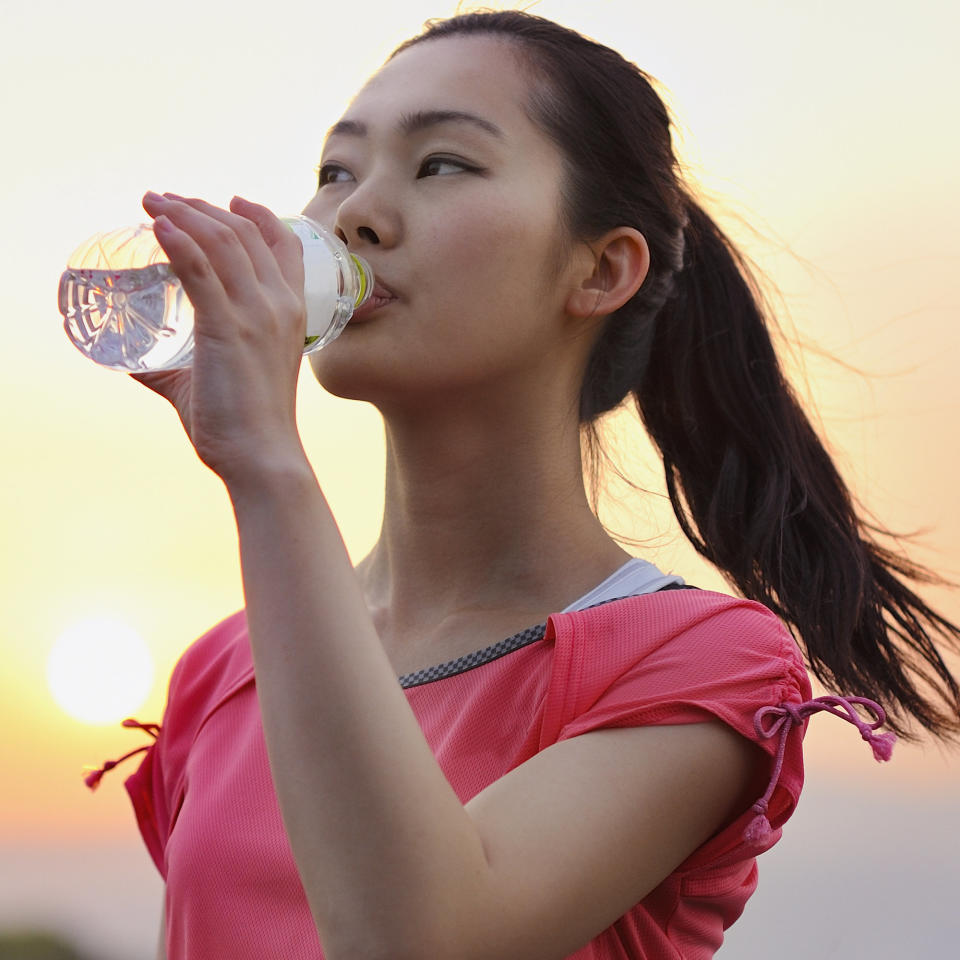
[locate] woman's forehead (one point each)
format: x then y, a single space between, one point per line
476 74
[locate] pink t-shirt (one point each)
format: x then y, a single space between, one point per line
205 803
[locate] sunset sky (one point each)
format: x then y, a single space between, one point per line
826 136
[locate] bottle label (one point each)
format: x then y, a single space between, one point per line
320 277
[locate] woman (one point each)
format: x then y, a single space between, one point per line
599 783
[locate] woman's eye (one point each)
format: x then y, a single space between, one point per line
441 166
431 167
331 173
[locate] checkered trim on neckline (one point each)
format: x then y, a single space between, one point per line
479 657
476 659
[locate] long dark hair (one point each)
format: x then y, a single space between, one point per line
750 482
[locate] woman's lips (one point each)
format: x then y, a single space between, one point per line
380 296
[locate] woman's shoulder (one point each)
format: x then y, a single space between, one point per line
704 619
212 667
695 646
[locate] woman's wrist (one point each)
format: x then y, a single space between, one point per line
276 475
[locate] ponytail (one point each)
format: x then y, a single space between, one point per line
758 496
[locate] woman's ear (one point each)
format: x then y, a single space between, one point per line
614 269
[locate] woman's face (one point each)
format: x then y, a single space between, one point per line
438 178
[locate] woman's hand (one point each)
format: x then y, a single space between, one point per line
243 272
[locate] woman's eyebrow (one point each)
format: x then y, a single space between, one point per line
418 121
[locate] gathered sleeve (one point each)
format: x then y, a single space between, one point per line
679 657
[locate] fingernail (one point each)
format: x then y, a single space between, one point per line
173 196
161 223
153 197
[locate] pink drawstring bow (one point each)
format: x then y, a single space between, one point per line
769 721
92 779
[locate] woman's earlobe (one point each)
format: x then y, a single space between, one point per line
621 260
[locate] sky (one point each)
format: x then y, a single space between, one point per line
824 136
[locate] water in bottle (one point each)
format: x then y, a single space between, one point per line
125 308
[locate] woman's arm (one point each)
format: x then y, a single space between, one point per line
392 863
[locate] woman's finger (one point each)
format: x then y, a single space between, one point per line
200 281
224 252
248 232
284 244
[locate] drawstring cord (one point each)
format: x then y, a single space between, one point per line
93 778
769 721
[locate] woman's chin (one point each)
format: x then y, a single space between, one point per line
350 376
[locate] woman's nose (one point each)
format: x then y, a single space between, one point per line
364 233
367 217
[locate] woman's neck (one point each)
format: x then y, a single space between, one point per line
482 523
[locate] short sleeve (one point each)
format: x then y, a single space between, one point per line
680 657
148 789
213 668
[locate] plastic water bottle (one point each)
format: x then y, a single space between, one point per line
124 307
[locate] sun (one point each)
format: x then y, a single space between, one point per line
100 671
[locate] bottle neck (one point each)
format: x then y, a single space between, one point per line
365 279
